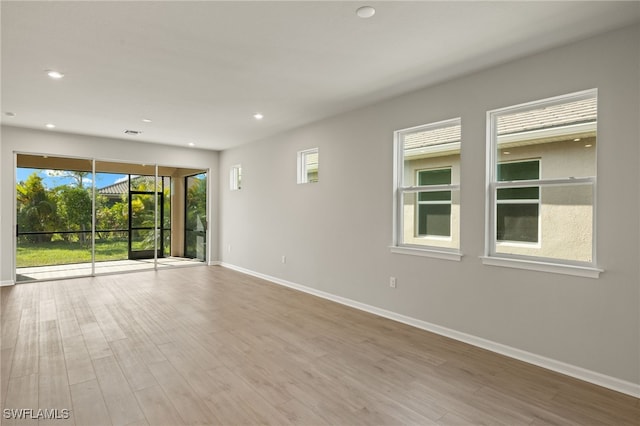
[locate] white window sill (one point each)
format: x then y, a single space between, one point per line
555 268
427 252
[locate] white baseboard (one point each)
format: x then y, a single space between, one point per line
7 283
609 382
214 263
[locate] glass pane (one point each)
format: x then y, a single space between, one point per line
528 193
54 217
53 255
430 224
196 217
111 245
517 222
145 183
434 177
142 211
142 240
434 148
519 170
565 219
166 246
434 219
562 137
434 196
112 202
166 224
311 166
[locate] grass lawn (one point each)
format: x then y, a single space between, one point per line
63 252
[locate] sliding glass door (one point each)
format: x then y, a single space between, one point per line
195 241
83 217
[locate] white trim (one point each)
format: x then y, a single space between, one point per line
7 283
214 263
580 373
534 265
427 252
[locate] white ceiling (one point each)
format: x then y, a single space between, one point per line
200 70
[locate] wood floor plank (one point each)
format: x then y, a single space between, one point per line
77 359
182 396
157 407
132 364
96 344
25 354
54 394
22 394
89 407
209 345
50 352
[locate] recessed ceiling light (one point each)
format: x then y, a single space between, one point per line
365 12
258 116
50 126
506 152
576 140
191 144
588 145
146 120
57 75
10 114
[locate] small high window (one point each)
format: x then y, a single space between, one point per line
308 166
235 178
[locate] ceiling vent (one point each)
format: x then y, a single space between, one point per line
132 132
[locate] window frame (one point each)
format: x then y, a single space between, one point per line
521 261
398 245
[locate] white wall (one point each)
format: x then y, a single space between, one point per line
14 139
336 233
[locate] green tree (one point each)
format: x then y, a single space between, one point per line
36 211
74 210
111 216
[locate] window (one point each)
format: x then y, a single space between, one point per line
235 178
308 166
541 178
427 201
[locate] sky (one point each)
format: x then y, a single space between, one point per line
49 179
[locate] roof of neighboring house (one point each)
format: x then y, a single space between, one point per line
432 137
553 116
119 188
582 111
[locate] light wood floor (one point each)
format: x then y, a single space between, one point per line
207 345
